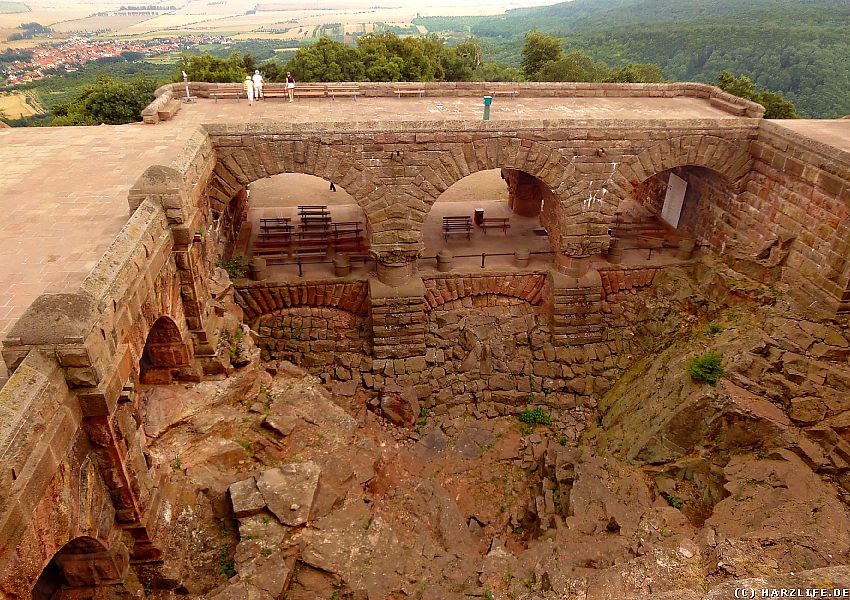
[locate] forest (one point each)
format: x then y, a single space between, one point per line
798 47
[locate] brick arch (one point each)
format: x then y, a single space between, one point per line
537 159
707 151
441 290
74 512
238 166
85 566
257 301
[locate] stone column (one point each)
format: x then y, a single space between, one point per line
575 308
525 192
397 306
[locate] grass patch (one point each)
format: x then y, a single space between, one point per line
535 416
236 267
707 368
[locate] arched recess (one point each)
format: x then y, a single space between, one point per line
164 352
82 568
707 151
534 159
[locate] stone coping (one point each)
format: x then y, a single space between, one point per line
718 98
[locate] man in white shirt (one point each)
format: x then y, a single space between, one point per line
258 84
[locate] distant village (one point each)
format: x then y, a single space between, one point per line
56 58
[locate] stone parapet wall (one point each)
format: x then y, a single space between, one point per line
719 98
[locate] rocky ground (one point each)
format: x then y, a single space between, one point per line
675 488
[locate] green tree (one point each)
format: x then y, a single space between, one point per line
640 73
107 101
469 50
214 69
326 60
537 51
775 104
574 66
493 71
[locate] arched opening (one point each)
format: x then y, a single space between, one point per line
495 213
685 202
164 353
82 569
303 225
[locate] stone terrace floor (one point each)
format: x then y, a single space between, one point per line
63 194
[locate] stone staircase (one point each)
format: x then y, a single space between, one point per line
636 227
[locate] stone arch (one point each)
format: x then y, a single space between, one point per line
441 290
164 351
541 161
707 151
257 301
84 567
238 166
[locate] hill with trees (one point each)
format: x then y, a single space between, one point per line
799 48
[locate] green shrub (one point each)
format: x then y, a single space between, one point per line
236 267
674 501
535 416
707 368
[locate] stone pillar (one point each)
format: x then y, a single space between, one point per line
572 266
575 308
398 327
525 192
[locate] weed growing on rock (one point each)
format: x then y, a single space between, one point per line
713 328
266 551
535 416
674 501
707 368
176 464
488 595
226 565
236 267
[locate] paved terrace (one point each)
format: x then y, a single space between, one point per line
63 194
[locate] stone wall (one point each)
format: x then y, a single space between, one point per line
717 97
801 189
51 490
320 339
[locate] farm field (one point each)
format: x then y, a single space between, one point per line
15 106
13 7
230 18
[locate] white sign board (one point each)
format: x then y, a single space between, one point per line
672 210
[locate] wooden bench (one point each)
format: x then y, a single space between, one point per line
458 225
495 223
169 110
512 92
276 223
310 90
228 91
409 90
343 89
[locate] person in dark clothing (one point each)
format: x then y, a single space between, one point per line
333 187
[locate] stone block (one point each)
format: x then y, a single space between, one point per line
246 498
289 491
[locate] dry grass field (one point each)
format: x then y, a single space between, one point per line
15 106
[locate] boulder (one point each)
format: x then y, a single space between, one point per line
402 408
289 491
